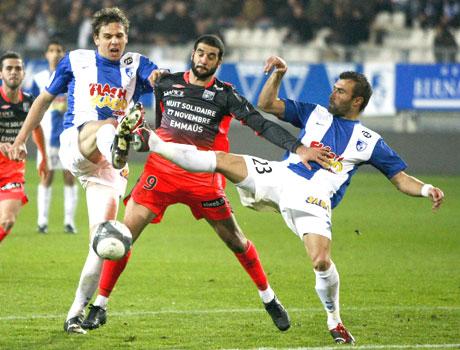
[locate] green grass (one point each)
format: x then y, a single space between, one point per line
184 290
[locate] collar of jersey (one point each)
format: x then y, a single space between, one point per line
106 60
5 97
187 80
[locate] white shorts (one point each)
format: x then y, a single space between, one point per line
86 171
54 162
272 186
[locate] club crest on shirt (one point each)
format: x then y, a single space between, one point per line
130 72
361 145
208 95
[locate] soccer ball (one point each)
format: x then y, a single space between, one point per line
111 240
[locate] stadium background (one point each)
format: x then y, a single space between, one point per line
408 49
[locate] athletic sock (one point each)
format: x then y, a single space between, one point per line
43 203
70 204
267 295
89 279
104 140
327 287
3 233
111 271
251 263
187 157
101 301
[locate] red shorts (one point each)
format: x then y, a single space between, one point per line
156 190
12 188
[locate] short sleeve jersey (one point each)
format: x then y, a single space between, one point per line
351 145
97 87
12 116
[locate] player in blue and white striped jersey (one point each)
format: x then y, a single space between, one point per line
101 85
53 125
305 193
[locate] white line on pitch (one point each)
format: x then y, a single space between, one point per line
371 347
229 311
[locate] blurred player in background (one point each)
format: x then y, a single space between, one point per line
53 125
101 84
14 105
305 196
195 108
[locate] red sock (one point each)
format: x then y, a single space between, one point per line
3 233
111 271
251 263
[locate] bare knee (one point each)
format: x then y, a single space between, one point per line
321 264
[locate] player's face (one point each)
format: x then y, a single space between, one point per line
54 54
12 73
341 100
205 61
111 41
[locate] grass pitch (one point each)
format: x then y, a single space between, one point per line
183 289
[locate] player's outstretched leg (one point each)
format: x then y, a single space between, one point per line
128 124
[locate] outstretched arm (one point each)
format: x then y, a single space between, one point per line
18 149
414 187
268 99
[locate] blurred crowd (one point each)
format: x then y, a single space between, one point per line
32 22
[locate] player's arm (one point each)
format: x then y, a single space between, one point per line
412 186
33 119
39 139
268 99
243 111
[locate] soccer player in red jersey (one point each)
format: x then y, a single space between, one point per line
194 108
14 105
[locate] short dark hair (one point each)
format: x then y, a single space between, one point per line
211 40
362 87
109 15
55 41
8 55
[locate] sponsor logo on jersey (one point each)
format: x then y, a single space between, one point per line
107 96
361 145
5 106
335 161
128 60
208 95
178 86
214 203
319 202
173 93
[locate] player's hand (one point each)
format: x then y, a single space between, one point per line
313 154
156 74
4 148
43 168
17 151
436 196
276 63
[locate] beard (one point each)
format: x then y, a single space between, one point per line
203 75
338 110
13 85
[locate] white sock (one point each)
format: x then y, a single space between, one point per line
187 157
267 295
327 288
43 203
89 280
104 139
70 204
101 301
